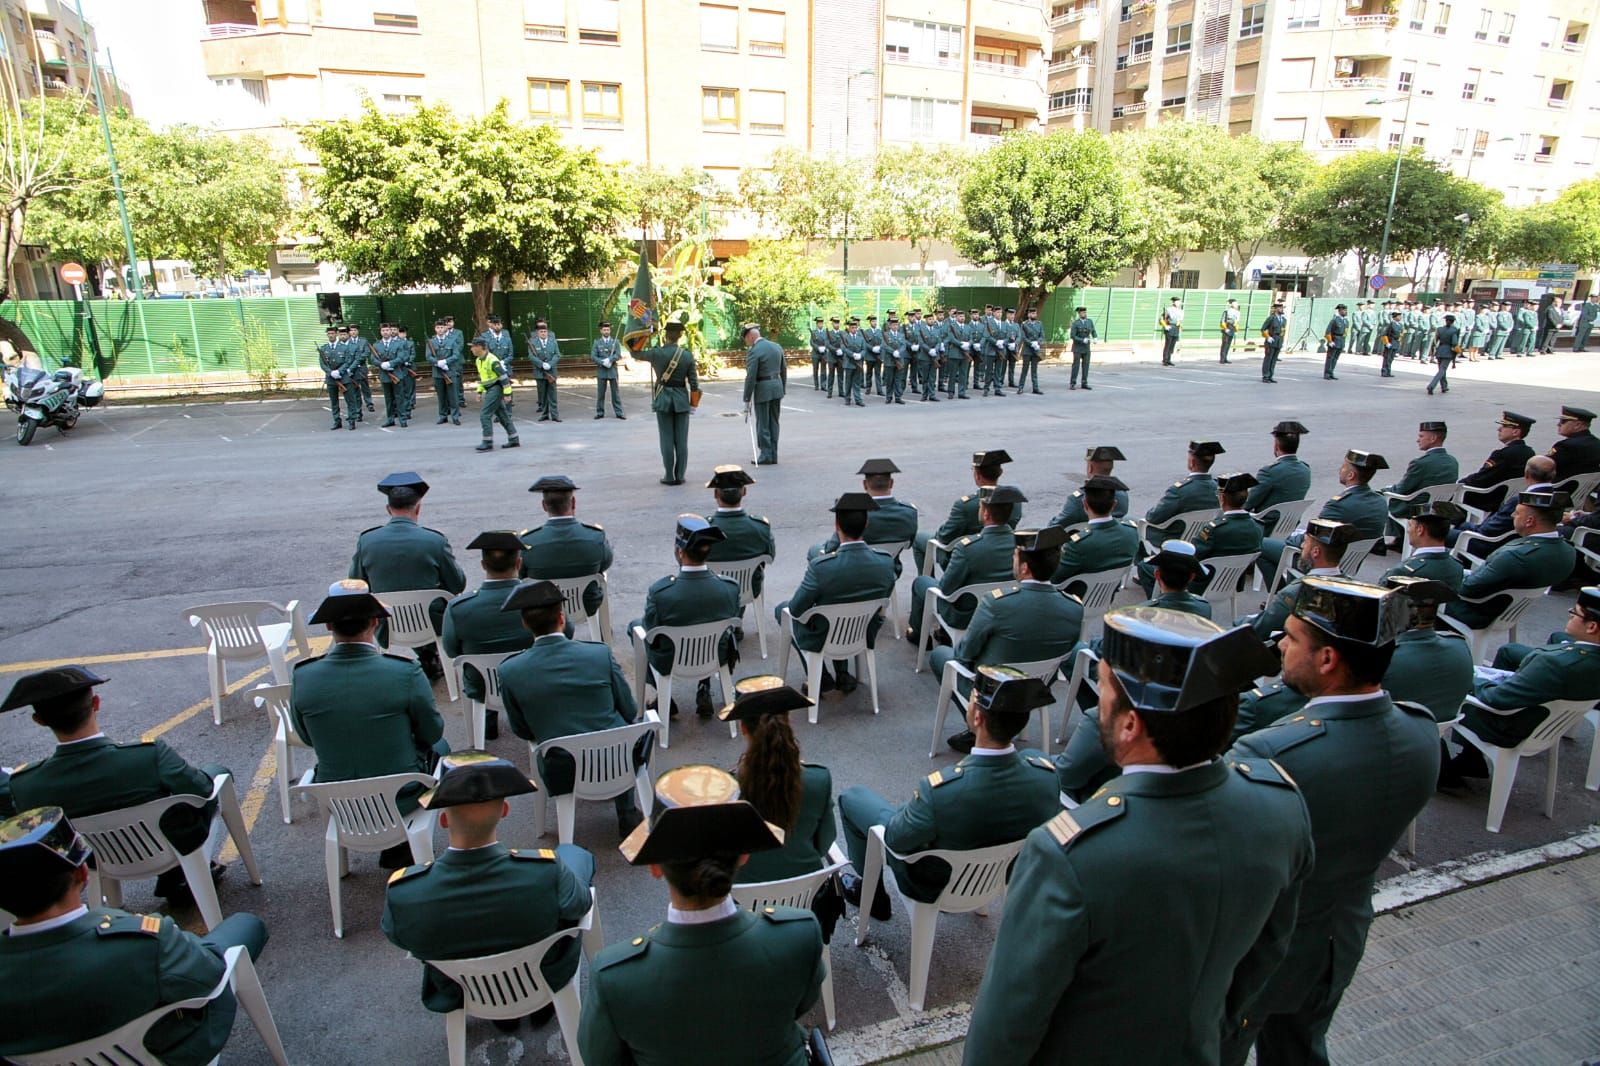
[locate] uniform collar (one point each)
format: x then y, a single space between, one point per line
34 928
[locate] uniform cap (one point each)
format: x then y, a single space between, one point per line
1104 453
996 457
503 540
37 843
1038 540
698 814
1007 690
405 479
1351 610
1105 481
1206 449
1366 460
878 466
1237 482
1511 418
854 501
1453 513
995 495
1433 427
760 695
1177 555
1333 534
1288 428
530 593
553 483
474 776
1578 413
1170 661
51 684
1545 498
1420 590
729 477
349 598
693 530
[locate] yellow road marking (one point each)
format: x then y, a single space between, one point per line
87 660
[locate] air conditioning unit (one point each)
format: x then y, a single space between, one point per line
1344 68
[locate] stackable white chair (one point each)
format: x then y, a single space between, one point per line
1046 670
848 625
129 845
510 984
931 617
798 892
235 633
744 572
411 627
487 664
1503 762
603 770
1223 588
694 657
286 743
572 589
1502 628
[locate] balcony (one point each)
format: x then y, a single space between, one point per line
1348 144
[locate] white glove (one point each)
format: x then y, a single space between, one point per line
386 365
336 374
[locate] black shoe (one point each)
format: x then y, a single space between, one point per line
512 443
628 821
395 858
962 741
702 700
485 446
881 909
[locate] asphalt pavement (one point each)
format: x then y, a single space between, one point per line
113 530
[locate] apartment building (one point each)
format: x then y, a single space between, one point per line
45 40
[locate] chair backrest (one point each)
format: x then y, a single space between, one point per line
234 629
409 623
572 590
275 698
848 625
694 648
1562 716
1225 573
796 891
976 876
1355 555
743 571
604 758
364 810
129 844
505 985
1288 517
488 666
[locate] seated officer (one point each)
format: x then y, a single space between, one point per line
561 687
1434 466
1284 480
1175 567
1099 461
1233 532
1431 666
1093 924
365 713
963 519
1321 549
1525 678
73 972
1105 542
853 573
1197 492
1358 505
481 897
692 596
403 555
90 774
563 546
894 521
474 624
714 983
993 796
1028 622
745 536
1427 527
975 559
1536 558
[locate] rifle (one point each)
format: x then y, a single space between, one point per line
378 362
448 380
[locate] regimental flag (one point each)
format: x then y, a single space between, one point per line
642 318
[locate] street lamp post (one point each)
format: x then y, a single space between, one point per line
848 83
134 284
1394 185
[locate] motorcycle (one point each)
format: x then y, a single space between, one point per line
42 398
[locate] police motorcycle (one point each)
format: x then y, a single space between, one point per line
45 398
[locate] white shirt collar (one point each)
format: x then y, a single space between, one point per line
693 569
49 923
80 740
1009 749
725 909
1429 550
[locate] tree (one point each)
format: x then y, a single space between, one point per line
1046 209
915 196
775 281
672 204
805 198
427 198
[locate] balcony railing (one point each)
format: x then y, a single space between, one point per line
231 29
1348 144
1366 22
1365 83
1064 65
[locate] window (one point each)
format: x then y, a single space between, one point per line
932 44
1507 21
598 22
1419 14
544 20
764 32
766 111
1469 88
917 116
1490 90
1523 140
1143 44
1305 14
719 108
1184 279
719 28
1480 144
1252 21
1068 101
1175 101
1485 21
1460 145
1179 38
602 103
548 100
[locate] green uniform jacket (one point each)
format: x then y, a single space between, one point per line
401 556
1284 480
1265 705
1565 671
562 688
853 573
466 904
1520 563
691 995
1231 533
604 353
544 354
1025 623
1430 668
1072 511
474 624
366 714
806 843
103 970
670 393
1361 506
1105 544
96 775
566 547
1197 492
747 537
1436 564
689 598
764 372
975 560
1070 978
1433 467
1366 769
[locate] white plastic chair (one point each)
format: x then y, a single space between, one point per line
235 633
124 1045
363 815
1546 737
509 985
603 770
1485 544
488 666
411 627
286 743
894 549
1046 670
1192 521
694 657
848 626
1448 492
798 892
572 589
130 846
1288 518
1099 592
744 572
1223 588
1504 625
1445 729
931 617
977 878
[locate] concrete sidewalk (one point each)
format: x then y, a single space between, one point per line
1506 972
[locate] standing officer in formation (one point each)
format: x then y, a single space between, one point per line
1099 460
331 356
1197 492
1334 336
766 379
605 353
1434 466
872 336
1284 480
1272 343
444 355
675 379
819 354
1092 906
1031 337
1447 346
393 356
1230 329
1081 333
745 536
1171 325
1389 343
545 353
854 343
1503 464
1103 542
476 624
494 382
357 353
691 596
564 547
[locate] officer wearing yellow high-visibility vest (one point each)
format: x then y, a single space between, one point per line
494 382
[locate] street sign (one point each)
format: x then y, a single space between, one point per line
73 273
1377 281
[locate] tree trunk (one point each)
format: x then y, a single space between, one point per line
482 301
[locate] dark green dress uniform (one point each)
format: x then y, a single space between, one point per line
853 573
982 801
565 547
1430 668
366 714
766 379
1104 544
1284 480
1435 563
745 537
1196 492
1569 670
604 353
690 597
806 843
446 350
1073 513
675 378
474 624
1537 561
1023 623
977 559
545 354
401 556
